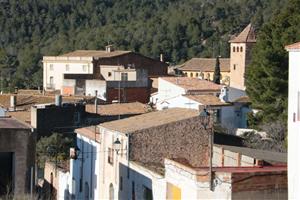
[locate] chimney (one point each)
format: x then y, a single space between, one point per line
161 58
58 100
224 94
109 48
13 102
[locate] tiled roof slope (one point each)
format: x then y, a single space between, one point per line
246 36
206 65
119 109
208 100
94 53
148 120
193 84
293 46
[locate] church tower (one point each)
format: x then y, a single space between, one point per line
240 56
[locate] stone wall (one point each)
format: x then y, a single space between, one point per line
184 139
21 142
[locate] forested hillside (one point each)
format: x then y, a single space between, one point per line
178 29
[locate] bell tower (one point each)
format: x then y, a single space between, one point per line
240 56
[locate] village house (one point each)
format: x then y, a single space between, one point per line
115 75
187 92
294 120
204 68
164 155
17 157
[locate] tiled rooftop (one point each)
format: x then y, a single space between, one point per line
94 53
193 84
243 99
119 109
149 120
208 100
25 101
11 123
206 65
293 46
247 35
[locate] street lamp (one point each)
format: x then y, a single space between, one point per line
205 118
117 145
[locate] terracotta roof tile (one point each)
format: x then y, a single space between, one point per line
243 99
293 46
148 120
208 100
8 122
205 65
247 35
193 84
94 53
119 109
25 101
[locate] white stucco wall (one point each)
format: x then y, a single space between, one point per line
61 66
89 156
99 85
293 127
167 90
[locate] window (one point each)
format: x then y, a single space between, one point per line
147 193
111 192
121 183
237 49
132 191
241 49
191 74
208 76
234 66
51 67
124 77
84 68
109 74
86 191
51 80
67 67
233 49
185 74
110 156
298 106
197 74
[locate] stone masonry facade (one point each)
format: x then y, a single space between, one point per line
185 139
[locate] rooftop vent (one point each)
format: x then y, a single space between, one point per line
109 48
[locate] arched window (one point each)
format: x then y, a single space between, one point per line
111 192
208 76
202 75
233 49
185 74
86 191
241 49
237 49
197 74
191 74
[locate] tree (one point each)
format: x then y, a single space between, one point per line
267 75
217 73
54 148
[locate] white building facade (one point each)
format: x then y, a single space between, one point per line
294 121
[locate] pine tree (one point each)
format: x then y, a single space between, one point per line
267 75
217 73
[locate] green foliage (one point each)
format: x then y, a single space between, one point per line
217 72
178 29
54 148
267 77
